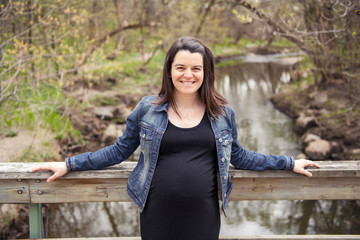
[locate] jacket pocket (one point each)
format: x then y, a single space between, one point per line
226 143
146 137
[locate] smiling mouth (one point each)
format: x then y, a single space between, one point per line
187 82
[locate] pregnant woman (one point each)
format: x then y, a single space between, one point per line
188 138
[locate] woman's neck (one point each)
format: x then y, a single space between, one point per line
187 101
189 111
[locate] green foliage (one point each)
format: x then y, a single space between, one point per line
242 18
227 47
37 108
11 134
244 42
105 100
5 221
305 75
283 43
124 65
229 63
131 68
39 156
306 63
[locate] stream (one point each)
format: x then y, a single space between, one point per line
248 88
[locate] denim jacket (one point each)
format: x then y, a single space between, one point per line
146 125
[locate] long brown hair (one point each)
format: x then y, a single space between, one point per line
213 101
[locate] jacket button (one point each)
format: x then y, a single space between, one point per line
224 177
220 140
223 159
224 194
226 141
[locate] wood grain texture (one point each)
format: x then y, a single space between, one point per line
295 188
13 191
255 237
79 190
334 180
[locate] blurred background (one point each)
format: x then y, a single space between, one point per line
71 72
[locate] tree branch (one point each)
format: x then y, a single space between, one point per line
102 39
207 10
160 45
283 30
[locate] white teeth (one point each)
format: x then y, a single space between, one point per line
187 83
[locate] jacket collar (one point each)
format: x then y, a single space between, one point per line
163 107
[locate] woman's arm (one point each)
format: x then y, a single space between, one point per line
244 159
116 153
110 155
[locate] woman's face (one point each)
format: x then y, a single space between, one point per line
187 72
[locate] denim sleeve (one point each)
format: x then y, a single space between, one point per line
244 159
121 150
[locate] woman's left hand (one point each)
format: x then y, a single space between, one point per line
300 165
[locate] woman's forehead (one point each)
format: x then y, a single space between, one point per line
185 57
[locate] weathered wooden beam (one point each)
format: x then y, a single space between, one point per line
296 188
12 170
334 180
79 190
14 191
255 237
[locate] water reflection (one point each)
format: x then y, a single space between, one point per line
248 88
261 128
110 219
292 217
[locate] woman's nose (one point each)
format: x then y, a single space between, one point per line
188 73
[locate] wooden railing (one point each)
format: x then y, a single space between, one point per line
334 180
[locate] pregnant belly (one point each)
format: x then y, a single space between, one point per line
188 181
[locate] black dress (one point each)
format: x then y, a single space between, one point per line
183 198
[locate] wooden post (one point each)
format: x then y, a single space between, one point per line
35 221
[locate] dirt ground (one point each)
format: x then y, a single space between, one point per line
25 143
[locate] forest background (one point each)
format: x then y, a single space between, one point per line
52 50
62 60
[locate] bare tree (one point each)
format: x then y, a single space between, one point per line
323 31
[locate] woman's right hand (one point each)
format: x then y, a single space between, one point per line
58 168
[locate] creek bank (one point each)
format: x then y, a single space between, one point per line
103 121
325 117
14 221
254 51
